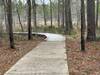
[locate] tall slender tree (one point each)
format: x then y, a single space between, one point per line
82 25
5 14
34 6
9 18
18 13
97 13
59 13
44 11
70 16
66 17
29 20
91 27
63 13
51 13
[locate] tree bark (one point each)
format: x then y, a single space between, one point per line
97 13
9 18
51 12
19 19
83 25
29 20
91 27
70 16
63 13
68 20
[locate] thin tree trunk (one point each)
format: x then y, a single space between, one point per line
19 19
45 21
29 20
44 12
34 13
67 26
59 13
97 13
9 17
70 16
66 17
83 25
5 14
63 13
77 13
51 12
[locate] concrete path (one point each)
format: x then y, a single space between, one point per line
48 58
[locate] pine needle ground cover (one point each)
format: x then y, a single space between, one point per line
83 63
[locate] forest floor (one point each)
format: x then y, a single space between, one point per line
9 57
83 63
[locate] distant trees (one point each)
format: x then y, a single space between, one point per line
19 7
51 12
44 11
61 13
29 20
91 27
64 15
9 19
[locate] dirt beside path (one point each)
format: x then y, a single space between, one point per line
9 57
83 63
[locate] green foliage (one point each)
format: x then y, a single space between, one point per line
74 33
20 6
48 29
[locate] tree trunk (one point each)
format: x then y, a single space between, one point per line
34 13
91 27
83 25
66 17
63 13
9 17
68 20
5 14
29 20
51 12
44 12
97 13
70 16
19 19
59 13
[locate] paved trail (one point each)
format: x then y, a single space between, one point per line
48 58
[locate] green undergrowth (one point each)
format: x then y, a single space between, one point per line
49 29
